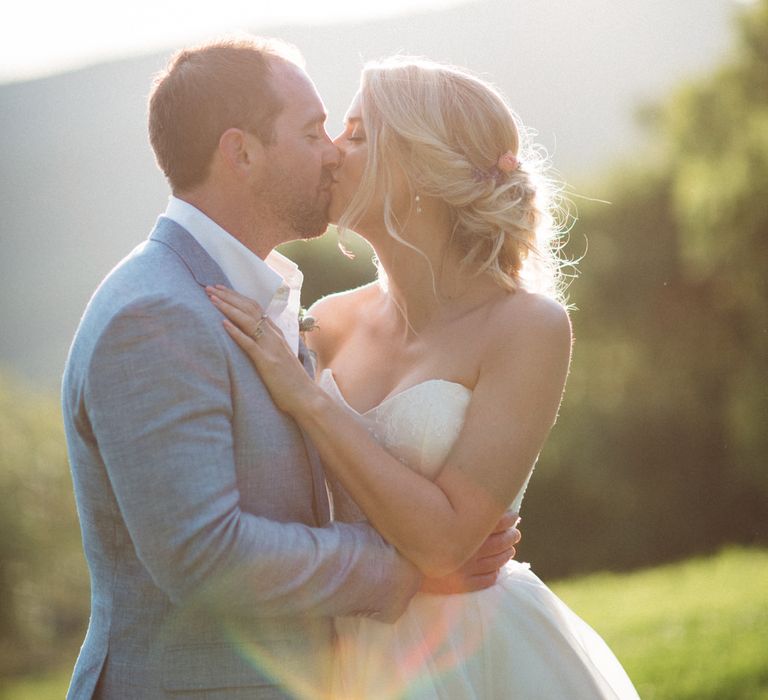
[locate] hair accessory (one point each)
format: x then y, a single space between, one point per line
506 163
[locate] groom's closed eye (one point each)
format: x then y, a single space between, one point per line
315 127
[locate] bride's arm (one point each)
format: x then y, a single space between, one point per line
437 525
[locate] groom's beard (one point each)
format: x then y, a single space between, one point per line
304 211
310 219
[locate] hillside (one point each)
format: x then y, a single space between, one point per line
79 188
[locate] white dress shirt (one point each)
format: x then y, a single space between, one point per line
274 283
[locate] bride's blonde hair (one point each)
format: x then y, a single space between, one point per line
445 130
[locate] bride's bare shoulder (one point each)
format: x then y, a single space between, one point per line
334 315
526 318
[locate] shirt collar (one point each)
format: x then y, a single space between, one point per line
249 274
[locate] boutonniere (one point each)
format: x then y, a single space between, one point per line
306 322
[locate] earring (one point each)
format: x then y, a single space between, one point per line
418 204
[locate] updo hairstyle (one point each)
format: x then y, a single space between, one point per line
445 129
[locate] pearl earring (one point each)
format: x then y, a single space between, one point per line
418 204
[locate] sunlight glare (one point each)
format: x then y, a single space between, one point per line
38 38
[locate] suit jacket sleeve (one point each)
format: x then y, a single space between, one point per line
157 392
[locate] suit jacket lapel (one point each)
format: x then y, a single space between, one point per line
321 507
207 273
202 266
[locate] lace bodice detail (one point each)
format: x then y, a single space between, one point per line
418 425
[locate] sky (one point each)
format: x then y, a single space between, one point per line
41 38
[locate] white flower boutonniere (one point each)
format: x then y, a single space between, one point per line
307 323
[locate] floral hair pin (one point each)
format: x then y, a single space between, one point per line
506 163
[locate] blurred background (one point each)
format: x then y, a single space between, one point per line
649 506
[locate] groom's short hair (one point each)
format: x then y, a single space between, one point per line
206 90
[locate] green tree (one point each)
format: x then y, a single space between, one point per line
661 447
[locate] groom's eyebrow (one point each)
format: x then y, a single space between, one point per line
319 118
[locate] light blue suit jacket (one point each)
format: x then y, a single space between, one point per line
214 569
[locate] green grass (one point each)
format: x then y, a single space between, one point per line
693 630
47 687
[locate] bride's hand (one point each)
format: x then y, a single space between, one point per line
482 570
279 368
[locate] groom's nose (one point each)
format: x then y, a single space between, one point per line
333 155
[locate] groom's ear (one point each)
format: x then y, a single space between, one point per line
241 151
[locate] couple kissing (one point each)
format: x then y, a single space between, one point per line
266 515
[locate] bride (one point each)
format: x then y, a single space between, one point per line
438 385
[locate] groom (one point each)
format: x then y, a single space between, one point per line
215 568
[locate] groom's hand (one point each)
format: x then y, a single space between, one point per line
483 568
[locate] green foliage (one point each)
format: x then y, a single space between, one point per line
43 580
51 686
661 446
326 268
718 136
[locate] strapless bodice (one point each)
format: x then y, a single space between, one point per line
417 425
513 639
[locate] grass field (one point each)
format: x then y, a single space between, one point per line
693 630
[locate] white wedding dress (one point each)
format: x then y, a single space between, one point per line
515 639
